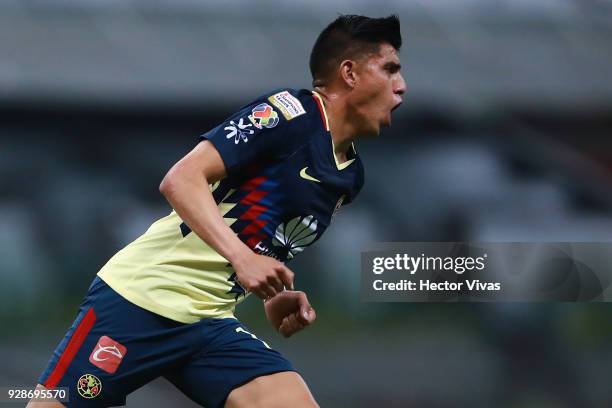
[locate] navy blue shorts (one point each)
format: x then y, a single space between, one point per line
115 347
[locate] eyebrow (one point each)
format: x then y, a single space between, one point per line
393 64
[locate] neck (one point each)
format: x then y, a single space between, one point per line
342 129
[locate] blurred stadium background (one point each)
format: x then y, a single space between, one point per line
504 136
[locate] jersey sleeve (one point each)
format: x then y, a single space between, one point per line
257 132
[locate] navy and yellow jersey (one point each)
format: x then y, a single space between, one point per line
283 187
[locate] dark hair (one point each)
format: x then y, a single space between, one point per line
350 36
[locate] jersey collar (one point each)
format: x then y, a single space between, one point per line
321 105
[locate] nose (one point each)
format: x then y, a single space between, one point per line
400 86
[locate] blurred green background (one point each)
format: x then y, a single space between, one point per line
504 135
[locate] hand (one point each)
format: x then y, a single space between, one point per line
289 312
263 275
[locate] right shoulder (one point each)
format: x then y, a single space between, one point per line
295 105
273 125
294 112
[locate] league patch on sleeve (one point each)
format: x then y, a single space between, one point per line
263 116
288 104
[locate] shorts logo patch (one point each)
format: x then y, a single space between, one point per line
89 386
263 116
107 354
288 104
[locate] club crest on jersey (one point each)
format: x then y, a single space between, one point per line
89 386
296 234
263 116
239 131
289 105
107 354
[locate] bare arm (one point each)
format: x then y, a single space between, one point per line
186 189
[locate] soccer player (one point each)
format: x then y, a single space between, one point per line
255 191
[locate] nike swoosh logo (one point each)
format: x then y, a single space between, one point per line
109 349
304 175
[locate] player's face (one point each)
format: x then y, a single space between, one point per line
379 89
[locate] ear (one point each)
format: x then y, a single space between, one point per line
348 73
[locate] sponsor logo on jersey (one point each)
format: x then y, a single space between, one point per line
107 354
262 249
296 234
239 131
263 116
288 104
89 386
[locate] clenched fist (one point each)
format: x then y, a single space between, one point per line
263 276
289 312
